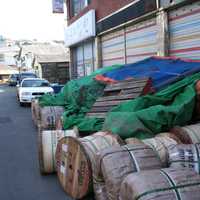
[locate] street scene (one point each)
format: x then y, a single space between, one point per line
19 166
100 100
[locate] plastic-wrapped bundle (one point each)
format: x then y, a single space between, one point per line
47 143
35 110
115 163
188 134
164 184
160 144
76 161
185 156
49 116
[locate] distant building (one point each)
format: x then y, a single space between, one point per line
107 32
46 60
54 68
6 71
8 49
7 54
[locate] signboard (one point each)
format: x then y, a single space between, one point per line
82 29
58 6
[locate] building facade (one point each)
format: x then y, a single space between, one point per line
103 33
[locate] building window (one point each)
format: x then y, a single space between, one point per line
83 59
78 5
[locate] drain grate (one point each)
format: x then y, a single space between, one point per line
5 120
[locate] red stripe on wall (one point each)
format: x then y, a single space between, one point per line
131 31
185 50
143 54
138 29
184 15
118 58
176 58
111 38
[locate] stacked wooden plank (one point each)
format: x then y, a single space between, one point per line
116 93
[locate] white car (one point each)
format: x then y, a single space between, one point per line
31 88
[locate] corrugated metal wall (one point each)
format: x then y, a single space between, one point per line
113 48
141 41
130 44
184 26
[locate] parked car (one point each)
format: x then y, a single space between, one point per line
56 87
13 79
31 88
24 75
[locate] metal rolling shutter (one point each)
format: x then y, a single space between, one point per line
141 41
185 31
113 48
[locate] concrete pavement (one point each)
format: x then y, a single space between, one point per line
19 174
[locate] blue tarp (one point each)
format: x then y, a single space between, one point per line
162 70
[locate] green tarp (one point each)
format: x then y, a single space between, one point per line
72 95
77 96
151 114
141 118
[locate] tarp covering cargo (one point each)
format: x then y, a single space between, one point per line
162 70
148 115
141 117
77 93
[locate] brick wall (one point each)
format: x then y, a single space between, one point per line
102 7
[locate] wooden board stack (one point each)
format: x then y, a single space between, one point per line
164 184
75 161
116 93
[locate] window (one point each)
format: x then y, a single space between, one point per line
83 59
77 6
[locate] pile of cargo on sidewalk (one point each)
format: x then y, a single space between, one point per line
130 138
163 167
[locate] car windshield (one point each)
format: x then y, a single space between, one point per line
35 83
27 75
14 76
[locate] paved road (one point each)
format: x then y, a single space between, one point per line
19 175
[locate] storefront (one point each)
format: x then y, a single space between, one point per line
130 44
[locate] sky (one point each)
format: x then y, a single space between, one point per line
30 19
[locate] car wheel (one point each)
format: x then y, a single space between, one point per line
21 104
